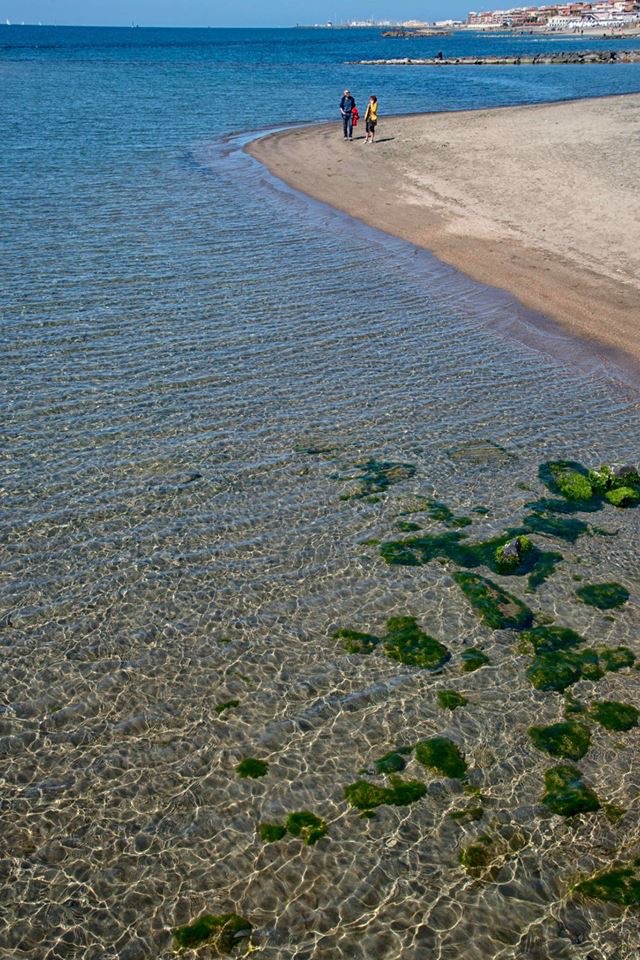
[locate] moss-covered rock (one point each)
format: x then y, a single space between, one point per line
442 755
407 643
473 660
354 641
306 826
566 793
560 669
451 699
222 933
497 608
548 639
614 715
569 740
620 886
616 658
605 596
252 768
509 556
271 832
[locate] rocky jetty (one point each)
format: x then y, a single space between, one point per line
573 57
403 34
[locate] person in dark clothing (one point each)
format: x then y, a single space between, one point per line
347 106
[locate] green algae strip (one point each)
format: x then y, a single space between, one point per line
566 793
497 608
271 832
252 768
604 596
353 641
569 740
620 886
613 715
367 796
227 705
223 932
451 699
443 756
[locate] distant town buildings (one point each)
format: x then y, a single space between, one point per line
607 14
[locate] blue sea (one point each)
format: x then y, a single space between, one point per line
210 431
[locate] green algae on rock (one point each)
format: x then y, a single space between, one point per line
473 660
392 762
227 705
605 596
252 768
565 792
569 740
451 699
613 715
355 642
222 933
476 857
616 658
566 477
509 556
407 643
468 815
620 886
367 796
377 476
623 497
442 755
560 669
306 826
549 639
497 608
271 832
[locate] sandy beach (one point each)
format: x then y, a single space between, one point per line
541 201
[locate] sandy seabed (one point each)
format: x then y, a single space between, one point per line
541 201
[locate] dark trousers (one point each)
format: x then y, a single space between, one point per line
347 125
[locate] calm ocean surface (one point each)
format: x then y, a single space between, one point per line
195 360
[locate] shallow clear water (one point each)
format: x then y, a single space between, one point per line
178 331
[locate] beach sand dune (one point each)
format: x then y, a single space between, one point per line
542 201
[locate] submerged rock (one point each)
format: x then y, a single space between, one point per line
620 886
442 755
497 608
569 740
223 933
407 643
566 793
605 596
614 715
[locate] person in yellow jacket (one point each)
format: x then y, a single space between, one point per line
371 119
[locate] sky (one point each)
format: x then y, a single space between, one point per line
225 13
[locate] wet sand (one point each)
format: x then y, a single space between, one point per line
541 201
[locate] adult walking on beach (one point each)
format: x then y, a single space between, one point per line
371 119
347 106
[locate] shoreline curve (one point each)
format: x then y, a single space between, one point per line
538 200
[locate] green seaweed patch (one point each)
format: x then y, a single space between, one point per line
467 815
605 596
569 740
271 832
616 658
222 933
566 793
313 450
442 755
407 643
560 669
473 659
227 705
392 762
497 608
252 768
623 497
407 526
613 715
620 886
613 812
367 796
354 641
451 699
569 529
477 856
549 639
377 476
441 512
306 826
566 478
